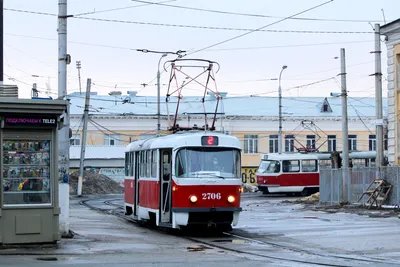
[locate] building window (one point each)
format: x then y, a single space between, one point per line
331 143
75 140
352 142
251 144
273 143
325 106
310 141
385 142
111 139
372 142
289 143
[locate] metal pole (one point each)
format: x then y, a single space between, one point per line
63 133
84 133
158 97
78 66
345 131
378 98
1 42
280 112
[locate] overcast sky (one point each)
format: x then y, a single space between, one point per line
107 49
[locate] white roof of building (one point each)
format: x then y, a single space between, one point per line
230 106
98 152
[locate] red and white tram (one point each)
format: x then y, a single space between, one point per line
288 173
299 172
184 179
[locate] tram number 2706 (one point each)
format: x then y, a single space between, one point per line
211 196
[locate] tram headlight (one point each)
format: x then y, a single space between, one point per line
231 199
193 199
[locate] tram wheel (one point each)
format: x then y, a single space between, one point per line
305 192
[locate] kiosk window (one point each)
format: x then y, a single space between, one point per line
26 172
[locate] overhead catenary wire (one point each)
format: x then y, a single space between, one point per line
120 8
252 15
258 29
196 26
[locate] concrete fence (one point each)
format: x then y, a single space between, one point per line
358 180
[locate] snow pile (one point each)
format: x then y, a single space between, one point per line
312 198
94 184
249 188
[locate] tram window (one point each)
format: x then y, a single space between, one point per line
269 166
126 163
207 163
290 165
141 164
148 164
309 165
132 163
154 163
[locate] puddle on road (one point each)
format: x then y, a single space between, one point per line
234 241
197 248
47 259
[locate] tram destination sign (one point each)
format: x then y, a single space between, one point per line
33 121
209 140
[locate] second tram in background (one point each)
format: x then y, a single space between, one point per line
184 179
299 172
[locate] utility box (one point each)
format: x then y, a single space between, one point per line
29 211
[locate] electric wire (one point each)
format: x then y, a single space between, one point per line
251 15
197 26
258 29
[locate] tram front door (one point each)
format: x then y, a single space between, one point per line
165 186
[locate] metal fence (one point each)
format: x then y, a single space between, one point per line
358 180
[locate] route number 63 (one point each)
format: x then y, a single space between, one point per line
211 196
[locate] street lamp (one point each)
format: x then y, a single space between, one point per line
280 112
158 95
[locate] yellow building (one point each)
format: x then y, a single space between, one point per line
313 122
391 31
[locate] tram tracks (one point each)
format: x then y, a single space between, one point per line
294 255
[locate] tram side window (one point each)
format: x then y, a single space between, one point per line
127 163
269 166
131 164
141 164
309 165
290 165
154 163
148 164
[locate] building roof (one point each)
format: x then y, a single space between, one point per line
390 24
98 152
132 105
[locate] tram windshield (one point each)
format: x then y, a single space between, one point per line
269 166
208 162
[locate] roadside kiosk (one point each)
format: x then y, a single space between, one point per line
29 211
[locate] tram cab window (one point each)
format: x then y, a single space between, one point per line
290 165
207 162
309 165
269 166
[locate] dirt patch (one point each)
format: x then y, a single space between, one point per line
358 209
94 184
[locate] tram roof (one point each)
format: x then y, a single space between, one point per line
321 156
192 138
289 156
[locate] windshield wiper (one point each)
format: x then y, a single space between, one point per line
215 175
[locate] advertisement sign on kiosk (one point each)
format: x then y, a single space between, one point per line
29 211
